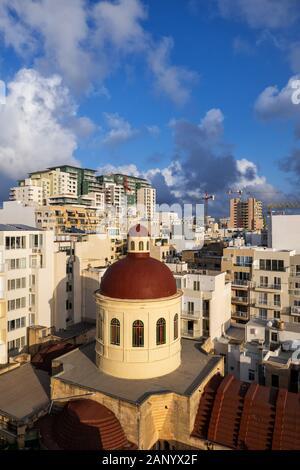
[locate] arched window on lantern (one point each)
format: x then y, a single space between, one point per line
161 331
176 326
115 332
100 326
141 246
138 334
148 246
132 245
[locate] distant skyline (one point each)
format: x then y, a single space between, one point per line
194 95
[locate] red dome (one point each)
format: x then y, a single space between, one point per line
138 276
83 424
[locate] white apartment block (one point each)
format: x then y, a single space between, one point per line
28 193
146 203
206 302
283 232
26 285
265 283
114 194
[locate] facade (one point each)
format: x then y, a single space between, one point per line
27 285
246 214
128 185
67 218
29 193
146 202
283 232
264 282
206 302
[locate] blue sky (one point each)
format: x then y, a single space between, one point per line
175 90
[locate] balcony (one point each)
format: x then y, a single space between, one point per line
241 283
276 287
240 315
295 310
240 300
268 305
295 292
195 315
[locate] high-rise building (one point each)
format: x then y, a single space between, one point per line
130 185
146 202
26 285
246 214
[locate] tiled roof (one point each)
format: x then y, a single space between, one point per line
240 415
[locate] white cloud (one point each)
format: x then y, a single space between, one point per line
85 42
119 131
129 169
154 130
261 13
248 174
32 132
274 103
170 79
212 123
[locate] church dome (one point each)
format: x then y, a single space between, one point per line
138 276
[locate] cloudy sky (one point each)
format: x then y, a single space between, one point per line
193 94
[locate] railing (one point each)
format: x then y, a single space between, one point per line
240 282
295 273
189 333
269 286
295 292
240 299
238 314
191 314
273 305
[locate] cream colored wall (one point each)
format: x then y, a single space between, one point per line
133 362
220 307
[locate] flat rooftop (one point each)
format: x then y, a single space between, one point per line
24 392
17 228
75 330
79 369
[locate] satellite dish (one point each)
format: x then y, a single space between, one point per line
269 324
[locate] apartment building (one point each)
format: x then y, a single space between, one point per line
264 282
60 219
26 285
146 203
76 257
283 231
206 302
129 184
29 193
268 354
246 214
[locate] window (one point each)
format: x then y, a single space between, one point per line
196 285
132 246
161 331
263 313
251 374
141 246
271 265
191 307
178 283
138 334
115 332
100 326
15 243
148 246
277 314
176 326
274 337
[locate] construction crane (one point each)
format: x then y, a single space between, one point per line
206 197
